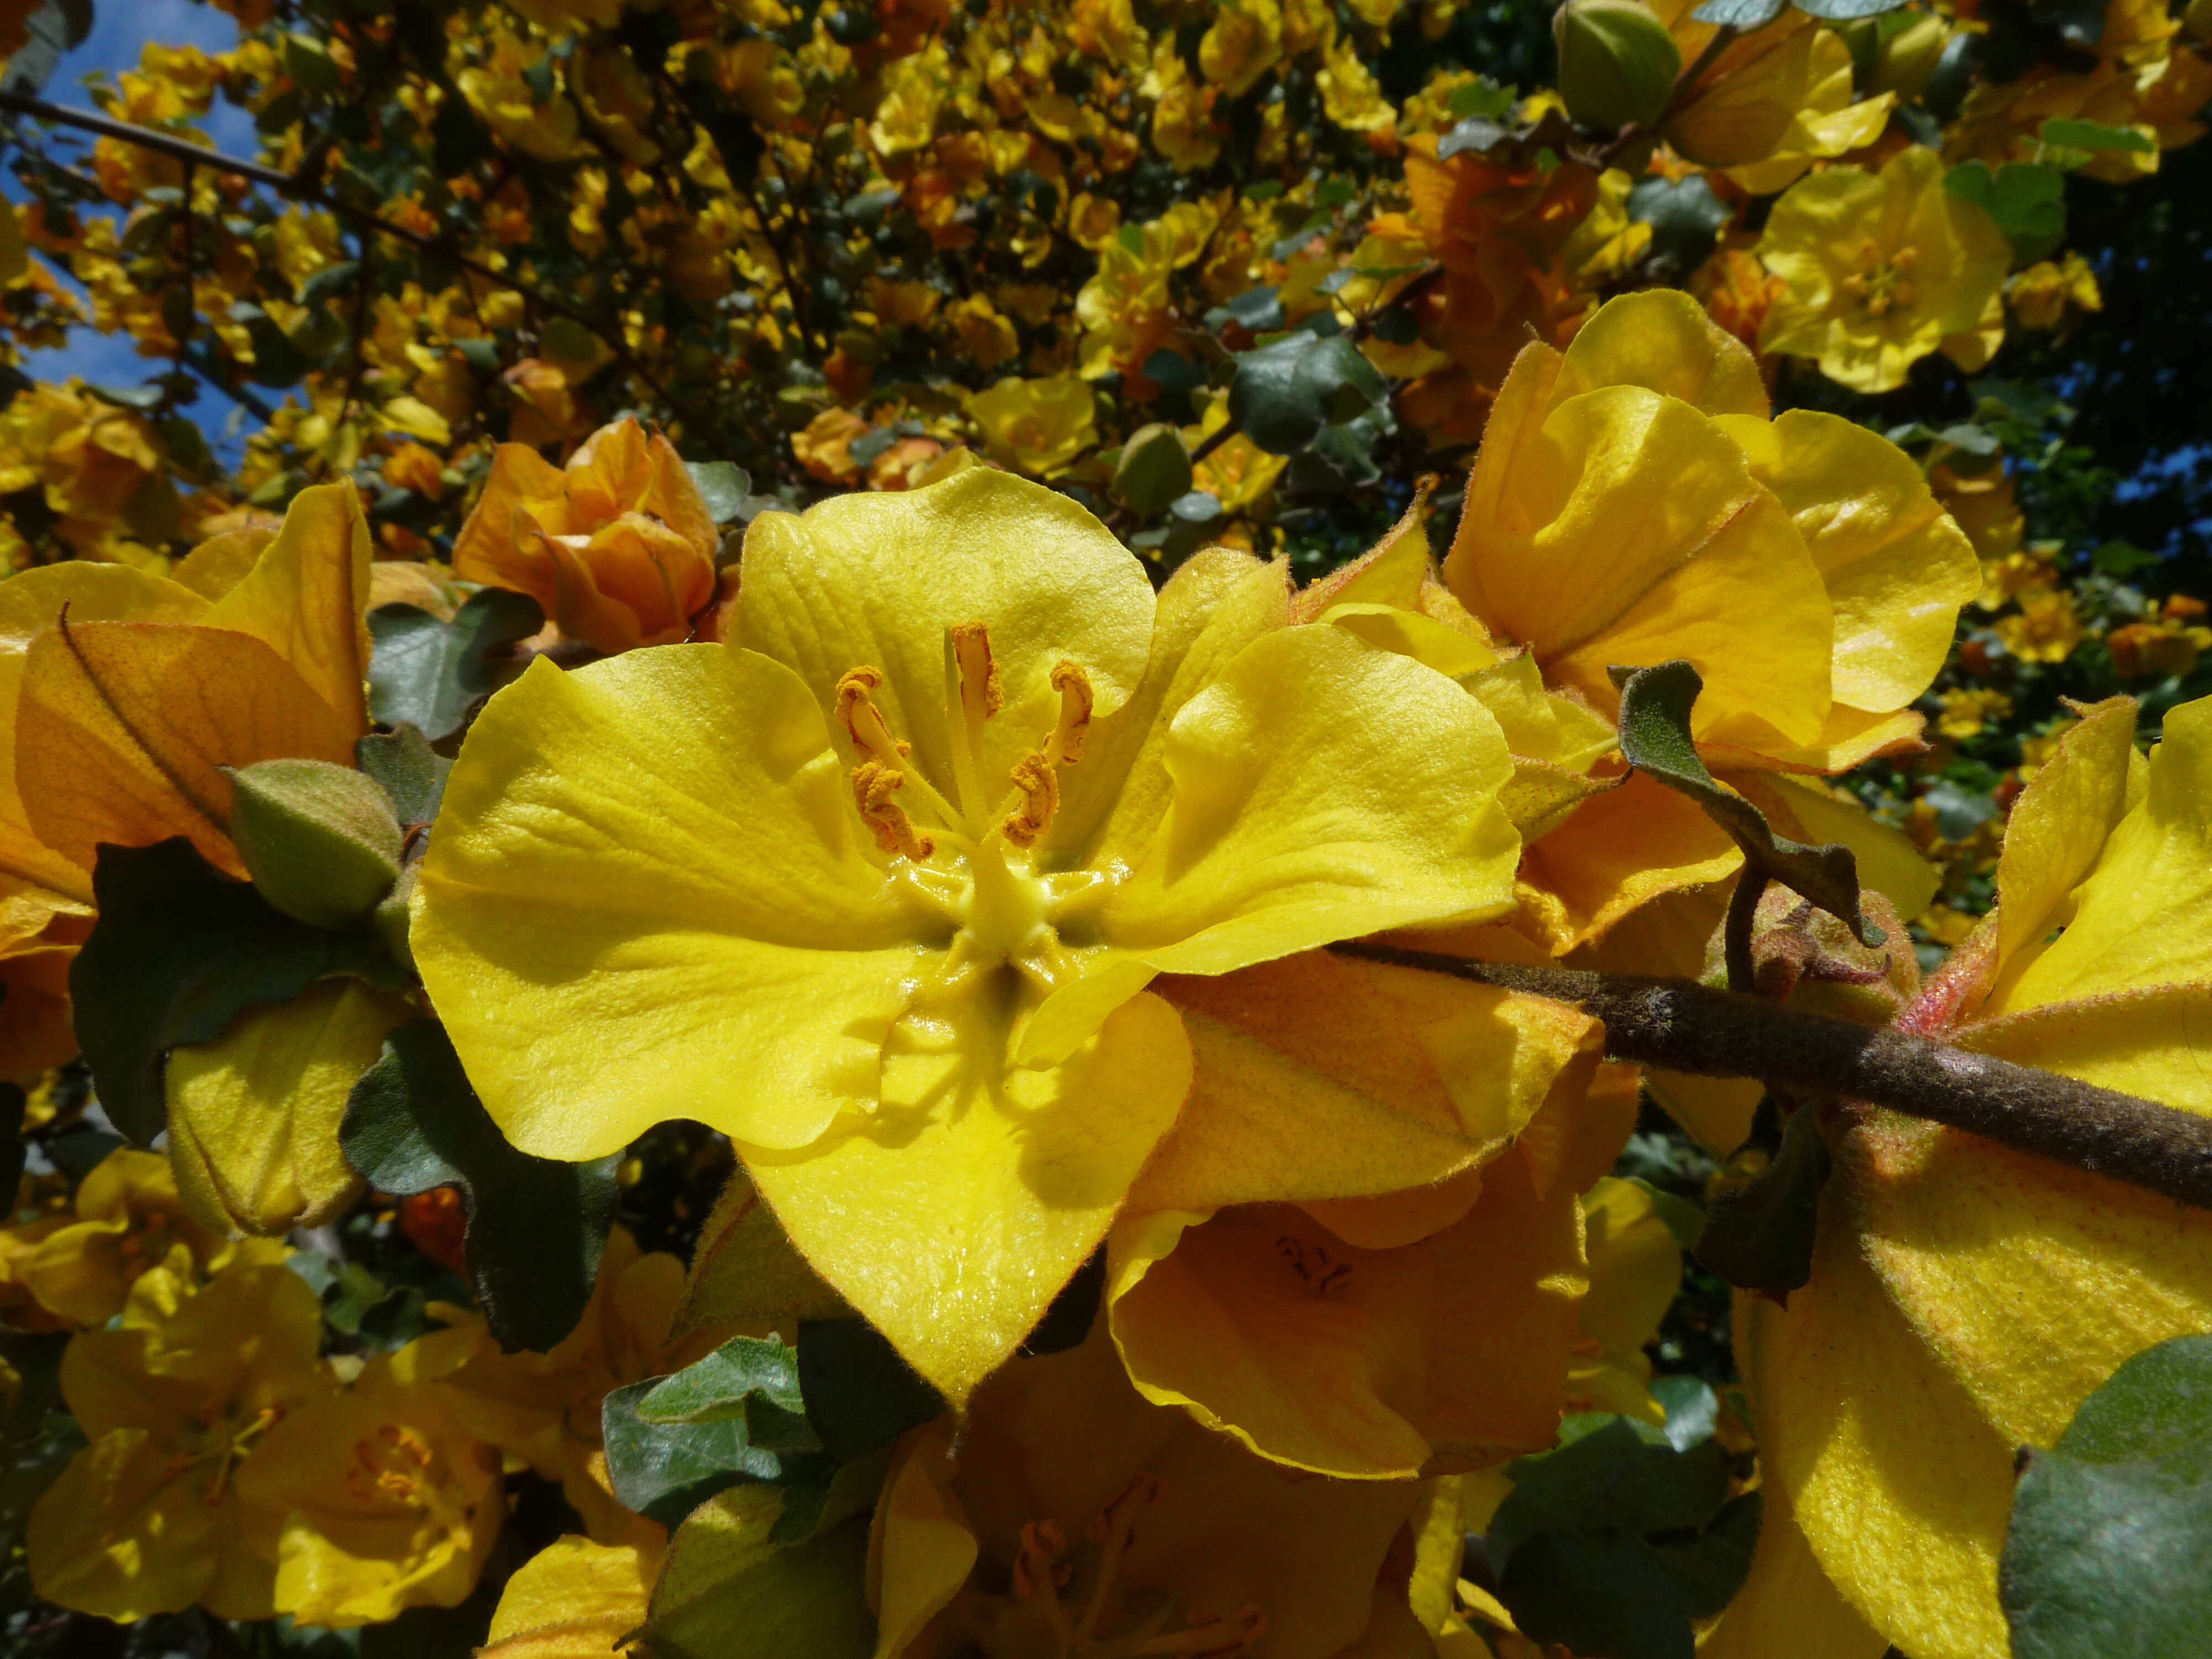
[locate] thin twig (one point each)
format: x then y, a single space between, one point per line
1735 934
1688 1027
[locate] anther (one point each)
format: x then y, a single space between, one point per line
863 720
1075 700
1040 791
873 786
982 695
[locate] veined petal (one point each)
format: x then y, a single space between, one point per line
1322 789
1902 1489
1896 568
1662 340
877 579
649 897
307 598
124 729
1318 1077
2140 918
953 1215
1374 1364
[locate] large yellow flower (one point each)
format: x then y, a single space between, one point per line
1038 426
1966 1297
1879 269
876 889
148 1518
1633 503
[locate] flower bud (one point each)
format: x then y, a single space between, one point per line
320 841
392 918
1618 64
1907 60
1154 470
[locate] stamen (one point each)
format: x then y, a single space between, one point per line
1039 785
981 694
1211 1638
1075 700
1111 1528
864 721
873 786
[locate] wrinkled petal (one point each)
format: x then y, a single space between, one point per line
1364 1364
647 897
124 731
951 1217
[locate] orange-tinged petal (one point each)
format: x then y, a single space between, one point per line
1620 850
1357 1362
124 728
520 481
307 598
951 1217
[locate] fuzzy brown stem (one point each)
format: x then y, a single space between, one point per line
1685 1026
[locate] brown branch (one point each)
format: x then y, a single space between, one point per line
1688 1027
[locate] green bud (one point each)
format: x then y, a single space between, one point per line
392 918
1618 64
1154 470
318 840
1909 57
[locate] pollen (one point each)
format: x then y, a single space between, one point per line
863 720
1075 700
981 694
1039 787
873 786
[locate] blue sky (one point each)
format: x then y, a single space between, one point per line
120 29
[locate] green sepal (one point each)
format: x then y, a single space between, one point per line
1758 1236
319 839
536 1227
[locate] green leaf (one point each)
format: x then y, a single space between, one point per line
411 773
2058 131
859 1394
1154 470
1685 216
2110 1549
536 1227
2026 199
1758 1236
1284 392
1655 735
177 950
429 673
2122 559
1691 1407
725 1385
1482 97
1843 11
1738 13
724 486
665 1470
730 1591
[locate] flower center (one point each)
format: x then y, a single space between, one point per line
1069 1602
968 854
1882 281
396 1466
222 1441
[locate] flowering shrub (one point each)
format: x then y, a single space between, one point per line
1296 827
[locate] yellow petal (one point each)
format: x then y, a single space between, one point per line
2150 1041
118 1535
1621 526
253 1116
922 1549
1623 849
1896 568
1317 1077
2140 918
1408 633
876 580
1635 1266
1902 1489
952 1221
1661 339
1362 1363
647 898
1292 826
1787 1604
573 1599
123 730
307 598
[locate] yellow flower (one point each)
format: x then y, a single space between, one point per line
371 1500
573 1599
2046 627
1067 1511
1182 112
1776 99
129 1219
1633 503
90 459
1635 1269
2040 294
1349 95
1039 426
1878 269
1126 309
986 338
1243 42
1968 711
914 91
617 547
1990 1291
824 444
2170 643
545 1406
152 1516
253 1116
499 91
876 889
1238 473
